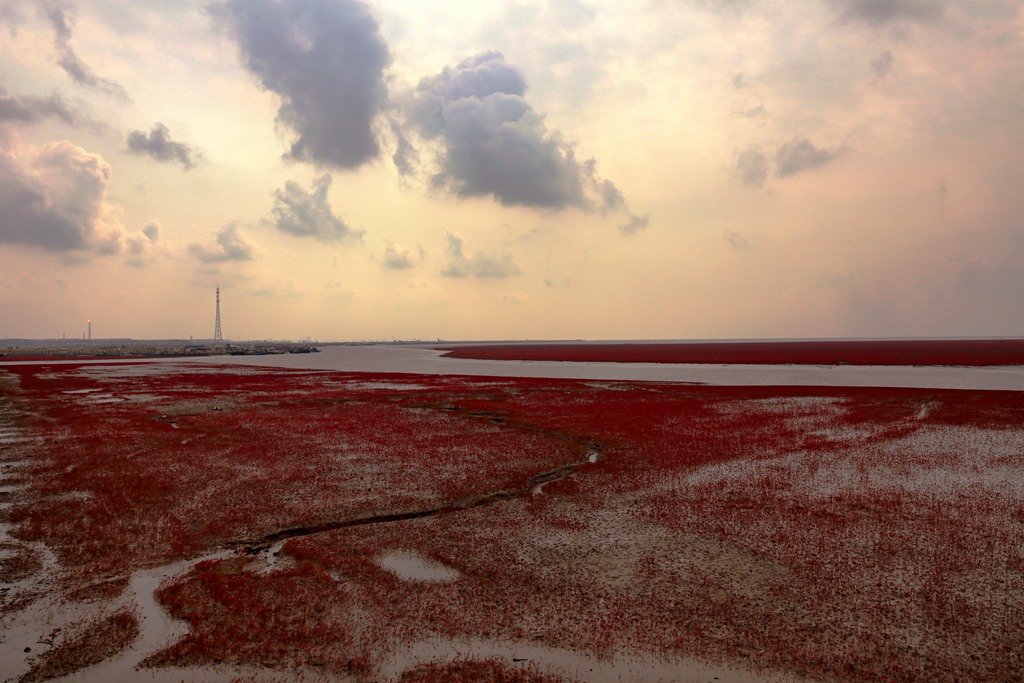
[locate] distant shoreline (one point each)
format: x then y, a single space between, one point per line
103 349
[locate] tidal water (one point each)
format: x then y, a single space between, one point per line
425 359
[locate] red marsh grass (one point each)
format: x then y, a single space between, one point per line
86 644
965 352
841 534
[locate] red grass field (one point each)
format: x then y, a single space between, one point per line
838 534
974 352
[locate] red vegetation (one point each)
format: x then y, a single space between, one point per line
849 534
165 464
296 617
486 671
972 352
89 643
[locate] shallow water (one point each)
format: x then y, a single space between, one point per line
410 565
417 359
426 360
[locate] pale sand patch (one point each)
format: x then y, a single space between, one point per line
410 565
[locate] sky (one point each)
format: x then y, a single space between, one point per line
659 169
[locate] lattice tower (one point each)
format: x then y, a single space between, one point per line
217 335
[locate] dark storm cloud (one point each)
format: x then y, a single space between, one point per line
491 142
325 59
800 154
229 244
60 14
158 144
34 109
53 197
882 12
309 214
480 265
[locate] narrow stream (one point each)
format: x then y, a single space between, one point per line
534 486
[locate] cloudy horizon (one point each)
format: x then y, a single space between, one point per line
349 170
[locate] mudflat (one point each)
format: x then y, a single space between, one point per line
217 522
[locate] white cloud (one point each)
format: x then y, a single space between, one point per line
397 258
54 197
479 265
229 244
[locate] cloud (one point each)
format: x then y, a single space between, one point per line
284 289
736 240
479 265
635 224
882 12
152 231
406 157
881 65
757 112
325 60
490 142
229 245
796 156
722 4
10 15
61 18
752 167
562 45
309 214
54 197
140 248
34 109
800 154
158 144
397 258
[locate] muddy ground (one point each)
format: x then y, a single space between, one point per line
222 522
